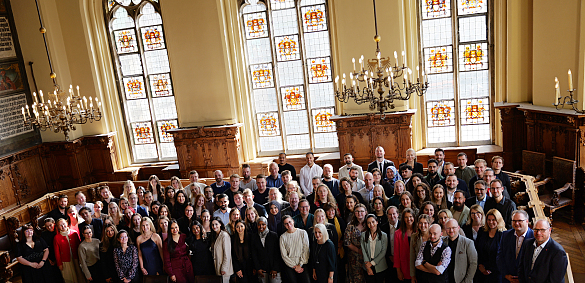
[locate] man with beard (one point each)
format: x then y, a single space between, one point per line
329 181
459 210
451 184
440 157
380 162
282 165
433 176
463 255
209 199
309 171
464 172
356 183
247 182
220 185
194 188
60 211
433 258
344 170
261 194
480 194
449 169
479 165
223 212
489 175
286 177
273 180
503 204
293 209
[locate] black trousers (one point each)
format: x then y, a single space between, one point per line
293 277
377 277
96 272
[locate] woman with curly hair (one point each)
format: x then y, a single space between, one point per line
322 196
421 195
407 201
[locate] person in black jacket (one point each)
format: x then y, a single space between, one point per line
241 253
107 252
199 244
266 256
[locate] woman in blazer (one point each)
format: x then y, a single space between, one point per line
411 160
222 250
374 244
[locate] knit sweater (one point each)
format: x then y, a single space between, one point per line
294 248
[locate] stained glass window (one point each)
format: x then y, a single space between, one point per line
288 54
137 37
455 53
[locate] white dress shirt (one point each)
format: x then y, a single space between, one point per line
519 241
306 177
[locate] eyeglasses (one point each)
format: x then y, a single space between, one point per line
540 230
518 221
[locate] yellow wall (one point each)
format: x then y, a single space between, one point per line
535 41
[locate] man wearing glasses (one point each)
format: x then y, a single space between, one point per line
504 205
511 246
480 188
543 259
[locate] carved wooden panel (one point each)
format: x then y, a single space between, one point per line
360 135
209 148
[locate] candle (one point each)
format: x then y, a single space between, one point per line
353 62
35 95
570 80
403 58
396 57
362 63
417 73
42 97
49 102
379 63
78 95
23 116
557 91
85 102
27 110
337 86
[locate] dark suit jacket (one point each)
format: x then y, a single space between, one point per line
266 257
472 200
97 228
550 265
374 164
261 210
506 258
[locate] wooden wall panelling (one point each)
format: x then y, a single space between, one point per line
101 151
207 149
515 130
361 134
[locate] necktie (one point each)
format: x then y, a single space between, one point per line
380 166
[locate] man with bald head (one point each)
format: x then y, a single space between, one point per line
220 185
274 180
433 258
543 259
463 257
381 163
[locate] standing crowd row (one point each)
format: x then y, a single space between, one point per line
388 224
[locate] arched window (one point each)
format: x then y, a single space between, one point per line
290 71
144 77
456 55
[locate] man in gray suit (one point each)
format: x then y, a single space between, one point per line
463 255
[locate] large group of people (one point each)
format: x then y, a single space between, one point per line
454 224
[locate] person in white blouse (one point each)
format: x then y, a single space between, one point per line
309 171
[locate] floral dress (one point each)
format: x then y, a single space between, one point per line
355 261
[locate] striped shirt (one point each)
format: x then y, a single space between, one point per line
294 248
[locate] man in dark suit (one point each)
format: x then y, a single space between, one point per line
265 250
249 199
480 188
380 162
96 224
449 169
511 246
543 259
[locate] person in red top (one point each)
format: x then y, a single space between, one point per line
66 244
176 256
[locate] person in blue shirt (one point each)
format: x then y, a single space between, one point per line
220 185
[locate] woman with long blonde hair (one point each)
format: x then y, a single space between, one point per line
487 245
115 213
149 245
128 188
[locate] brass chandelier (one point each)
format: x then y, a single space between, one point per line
59 113
378 82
